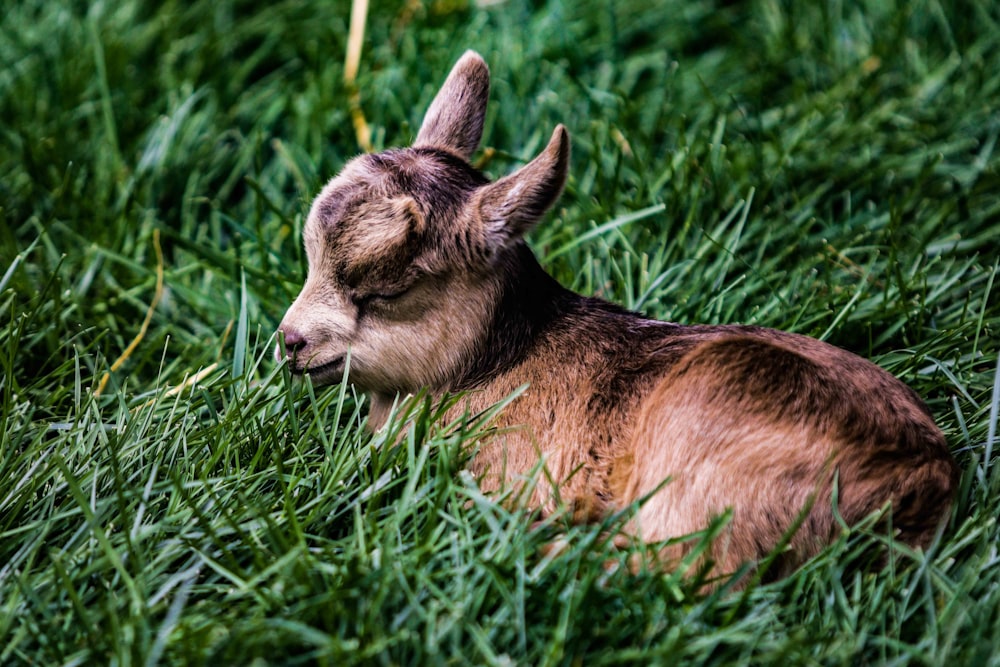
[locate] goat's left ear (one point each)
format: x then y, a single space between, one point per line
510 207
455 118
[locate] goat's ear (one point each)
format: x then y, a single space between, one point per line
454 120
508 208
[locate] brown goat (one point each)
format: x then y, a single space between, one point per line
418 268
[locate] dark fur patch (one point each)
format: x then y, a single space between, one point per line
529 302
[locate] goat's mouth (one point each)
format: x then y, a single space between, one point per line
323 373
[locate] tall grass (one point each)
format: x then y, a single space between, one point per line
828 168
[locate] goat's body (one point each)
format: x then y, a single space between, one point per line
740 418
418 269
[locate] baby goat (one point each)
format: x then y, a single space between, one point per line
418 269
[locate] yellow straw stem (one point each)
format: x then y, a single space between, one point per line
355 40
145 323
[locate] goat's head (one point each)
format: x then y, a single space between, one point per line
403 248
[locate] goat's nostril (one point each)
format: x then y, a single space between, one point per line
294 340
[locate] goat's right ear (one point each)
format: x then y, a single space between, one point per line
454 121
508 208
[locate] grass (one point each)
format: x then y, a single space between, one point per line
829 168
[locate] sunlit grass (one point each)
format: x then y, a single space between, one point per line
827 168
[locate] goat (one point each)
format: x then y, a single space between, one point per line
417 266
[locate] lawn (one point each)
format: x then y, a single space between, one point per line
168 495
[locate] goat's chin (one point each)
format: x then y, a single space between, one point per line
331 372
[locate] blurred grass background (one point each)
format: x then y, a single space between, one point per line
828 168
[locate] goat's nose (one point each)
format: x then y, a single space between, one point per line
294 340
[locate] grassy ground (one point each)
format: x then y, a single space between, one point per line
825 167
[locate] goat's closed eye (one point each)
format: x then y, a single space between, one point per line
364 301
387 297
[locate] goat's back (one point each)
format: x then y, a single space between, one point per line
782 429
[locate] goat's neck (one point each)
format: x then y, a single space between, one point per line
529 303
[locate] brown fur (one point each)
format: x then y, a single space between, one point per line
417 266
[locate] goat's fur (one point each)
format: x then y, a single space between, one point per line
418 268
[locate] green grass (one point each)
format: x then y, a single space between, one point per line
829 168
